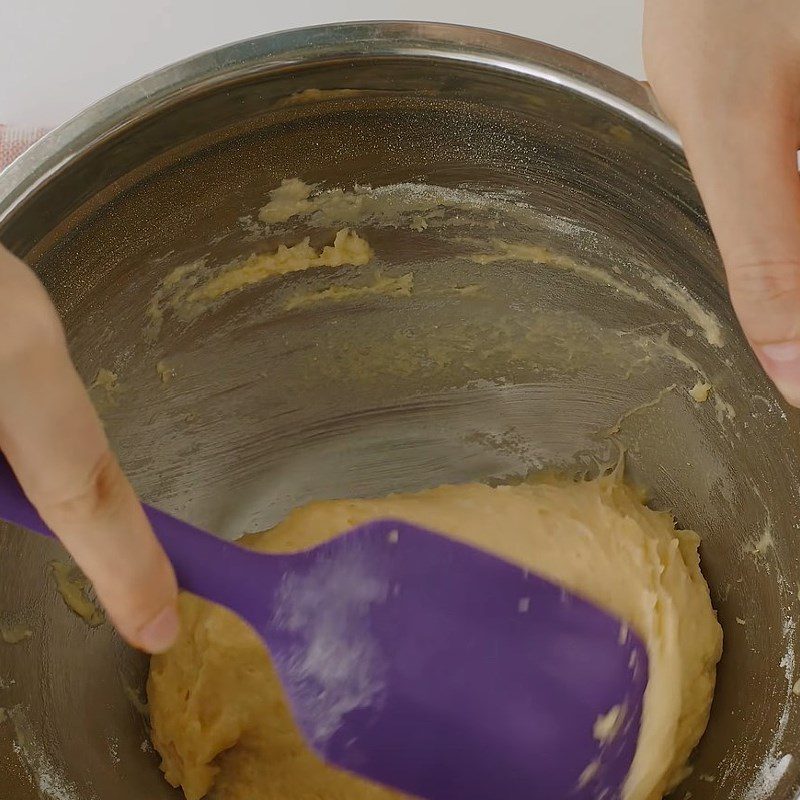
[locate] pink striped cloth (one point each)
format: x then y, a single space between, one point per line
14 141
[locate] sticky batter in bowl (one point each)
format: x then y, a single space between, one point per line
218 714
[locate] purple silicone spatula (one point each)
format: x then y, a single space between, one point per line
422 663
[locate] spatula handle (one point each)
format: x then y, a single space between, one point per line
204 565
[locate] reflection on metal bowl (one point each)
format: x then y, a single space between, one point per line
541 289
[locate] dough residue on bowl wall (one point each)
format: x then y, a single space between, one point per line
348 248
190 289
15 634
74 588
380 285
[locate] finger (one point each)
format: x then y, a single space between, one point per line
56 445
746 169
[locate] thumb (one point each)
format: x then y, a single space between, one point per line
745 165
57 447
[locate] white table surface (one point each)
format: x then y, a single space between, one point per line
58 56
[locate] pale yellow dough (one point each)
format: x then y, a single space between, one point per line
348 249
218 715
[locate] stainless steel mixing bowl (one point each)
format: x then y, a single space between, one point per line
489 369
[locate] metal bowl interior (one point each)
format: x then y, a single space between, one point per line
497 363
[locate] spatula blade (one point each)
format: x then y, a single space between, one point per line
438 669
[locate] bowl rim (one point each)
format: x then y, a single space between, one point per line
259 55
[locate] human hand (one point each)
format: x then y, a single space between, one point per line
56 445
727 74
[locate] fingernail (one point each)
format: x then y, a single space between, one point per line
158 635
782 362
